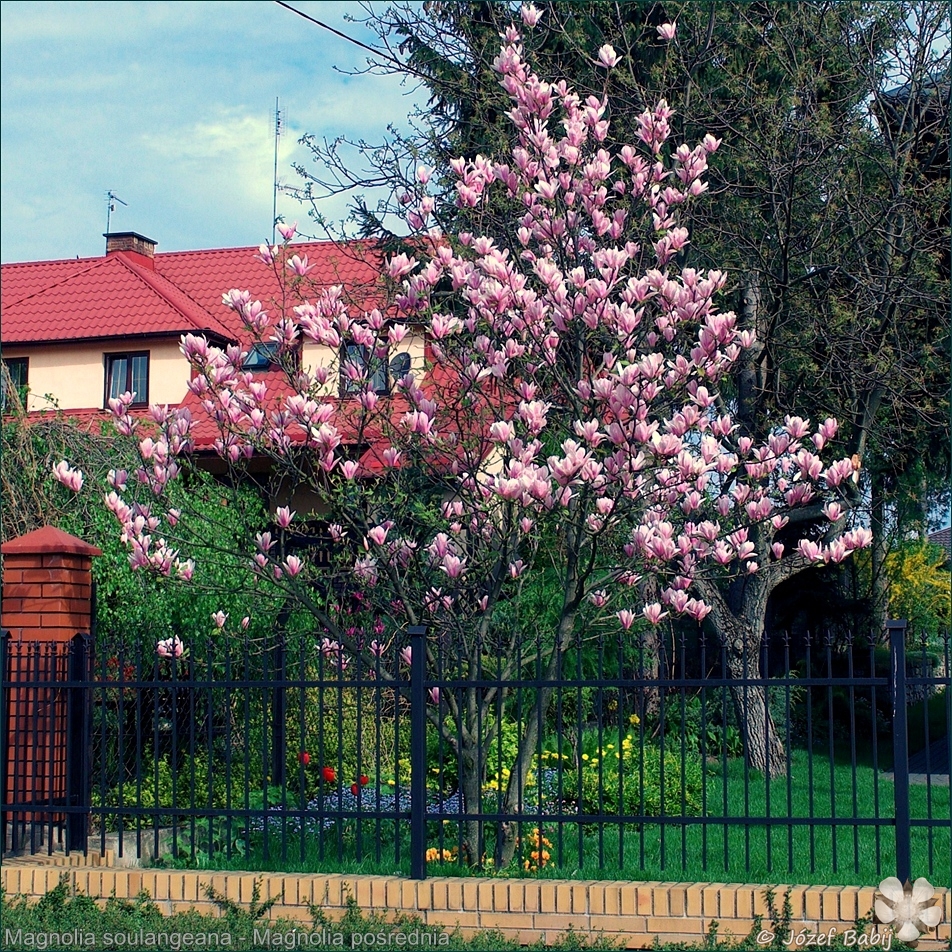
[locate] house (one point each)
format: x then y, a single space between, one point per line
943 539
78 332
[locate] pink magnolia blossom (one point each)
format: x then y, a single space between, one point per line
607 56
626 618
810 550
170 648
283 516
531 14
219 618
833 511
453 565
69 477
299 265
666 31
378 535
287 232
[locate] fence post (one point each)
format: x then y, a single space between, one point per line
897 658
418 752
5 679
78 774
279 705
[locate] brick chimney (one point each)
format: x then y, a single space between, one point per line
134 246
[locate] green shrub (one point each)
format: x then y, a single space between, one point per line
632 779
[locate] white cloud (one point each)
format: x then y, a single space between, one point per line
168 104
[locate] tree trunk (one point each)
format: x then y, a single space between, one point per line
879 591
508 831
762 745
739 622
470 769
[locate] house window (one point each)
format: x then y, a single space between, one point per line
262 356
360 356
400 365
128 372
17 370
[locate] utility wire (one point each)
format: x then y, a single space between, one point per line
399 64
330 29
350 39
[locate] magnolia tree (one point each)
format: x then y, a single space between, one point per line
569 415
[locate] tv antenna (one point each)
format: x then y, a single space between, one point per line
274 194
111 199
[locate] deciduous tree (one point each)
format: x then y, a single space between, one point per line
570 416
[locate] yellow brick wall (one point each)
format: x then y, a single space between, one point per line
628 912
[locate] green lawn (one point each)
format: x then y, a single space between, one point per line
836 851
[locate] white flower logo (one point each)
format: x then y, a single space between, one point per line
911 909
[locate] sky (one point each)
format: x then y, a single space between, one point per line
170 105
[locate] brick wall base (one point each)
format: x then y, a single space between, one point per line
631 913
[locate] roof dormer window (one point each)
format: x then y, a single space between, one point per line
262 356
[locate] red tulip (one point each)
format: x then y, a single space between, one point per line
304 757
354 789
328 774
364 780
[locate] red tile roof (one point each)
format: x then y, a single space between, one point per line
114 296
98 298
206 275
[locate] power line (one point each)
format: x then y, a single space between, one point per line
399 64
330 29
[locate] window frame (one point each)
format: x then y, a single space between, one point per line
350 389
129 355
9 362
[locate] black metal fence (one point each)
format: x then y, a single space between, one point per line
638 757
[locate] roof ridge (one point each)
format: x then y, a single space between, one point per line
253 248
96 262
148 277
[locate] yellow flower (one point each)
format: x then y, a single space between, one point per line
584 756
634 719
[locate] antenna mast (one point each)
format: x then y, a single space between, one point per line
111 199
274 194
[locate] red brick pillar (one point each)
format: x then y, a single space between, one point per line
47 601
